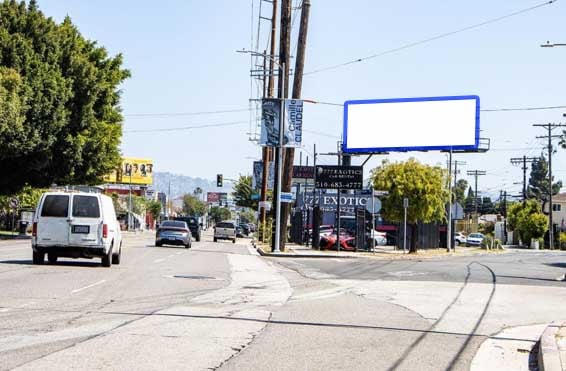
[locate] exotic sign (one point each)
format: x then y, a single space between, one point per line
216 197
339 177
271 120
329 202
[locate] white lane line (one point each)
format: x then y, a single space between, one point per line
159 260
88 287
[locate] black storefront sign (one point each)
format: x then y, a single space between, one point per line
339 177
303 172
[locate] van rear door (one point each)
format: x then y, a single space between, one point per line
52 224
85 225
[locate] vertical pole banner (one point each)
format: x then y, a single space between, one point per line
270 117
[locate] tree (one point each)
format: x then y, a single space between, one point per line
487 206
193 206
423 185
60 120
243 192
470 202
219 214
460 191
527 220
28 197
154 208
538 181
248 216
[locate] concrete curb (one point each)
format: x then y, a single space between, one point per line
549 355
294 255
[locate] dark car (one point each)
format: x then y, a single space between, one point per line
173 232
245 229
194 225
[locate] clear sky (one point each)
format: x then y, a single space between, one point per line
183 60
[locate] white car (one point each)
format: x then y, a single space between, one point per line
459 238
475 239
76 225
380 238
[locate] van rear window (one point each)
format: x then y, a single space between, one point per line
86 207
225 225
55 206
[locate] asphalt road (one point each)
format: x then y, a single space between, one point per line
49 312
220 306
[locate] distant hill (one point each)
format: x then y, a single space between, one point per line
182 184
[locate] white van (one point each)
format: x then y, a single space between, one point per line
76 225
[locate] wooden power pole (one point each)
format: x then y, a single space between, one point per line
266 152
297 88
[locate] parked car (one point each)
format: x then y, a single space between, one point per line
459 238
379 237
225 230
173 232
474 239
194 225
76 225
245 228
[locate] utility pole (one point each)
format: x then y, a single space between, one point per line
266 151
296 94
549 135
523 161
284 47
476 173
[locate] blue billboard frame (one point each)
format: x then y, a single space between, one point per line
471 148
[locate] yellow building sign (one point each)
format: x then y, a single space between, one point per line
133 171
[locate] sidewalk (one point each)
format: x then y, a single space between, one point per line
381 252
552 351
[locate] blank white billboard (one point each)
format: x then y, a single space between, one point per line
411 124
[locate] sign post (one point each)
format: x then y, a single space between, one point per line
14 204
405 206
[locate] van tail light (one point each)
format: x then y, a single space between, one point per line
104 230
34 230
186 230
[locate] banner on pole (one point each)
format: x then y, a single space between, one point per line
270 122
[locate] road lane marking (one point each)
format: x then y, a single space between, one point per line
159 260
88 287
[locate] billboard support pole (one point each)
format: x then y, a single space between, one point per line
449 224
130 204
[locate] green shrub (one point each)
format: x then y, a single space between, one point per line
562 240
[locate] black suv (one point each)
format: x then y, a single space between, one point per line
194 225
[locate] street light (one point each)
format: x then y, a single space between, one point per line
551 45
277 242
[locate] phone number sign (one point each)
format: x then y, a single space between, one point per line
339 177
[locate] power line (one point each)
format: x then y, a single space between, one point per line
430 39
233 123
180 114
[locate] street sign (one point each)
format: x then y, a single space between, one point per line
457 211
380 193
339 177
265 204
405 203
376 205
14 203
287 197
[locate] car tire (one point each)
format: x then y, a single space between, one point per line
215 239
198 237
457 243
234 240
52 258
116 258
158 244
107 259
38 258
188 246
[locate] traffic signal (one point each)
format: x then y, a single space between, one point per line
219 180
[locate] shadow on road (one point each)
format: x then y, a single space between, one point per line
59 263
557 265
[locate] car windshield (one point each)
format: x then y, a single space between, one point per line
225 225
173 224
476 235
